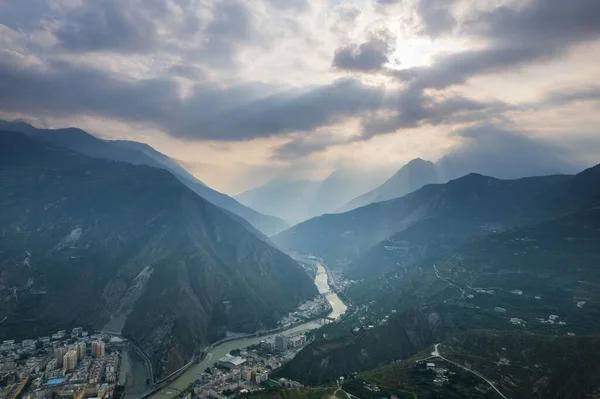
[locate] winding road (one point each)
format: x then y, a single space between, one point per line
436 353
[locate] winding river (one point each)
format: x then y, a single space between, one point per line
183 381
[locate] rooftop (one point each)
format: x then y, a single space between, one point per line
235 360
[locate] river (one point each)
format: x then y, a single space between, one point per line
183 381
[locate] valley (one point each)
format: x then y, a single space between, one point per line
442 276
216 352
299 199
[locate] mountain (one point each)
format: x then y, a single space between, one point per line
457 210
142 154
158 157
441 234
484 150
113 246
299 200
520 364
411 177
287 199
539 279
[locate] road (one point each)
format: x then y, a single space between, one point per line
436 353
462 292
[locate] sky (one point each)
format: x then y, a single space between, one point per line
241 92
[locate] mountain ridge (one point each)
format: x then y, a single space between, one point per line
87 241
84 143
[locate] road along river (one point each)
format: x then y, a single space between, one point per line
191 374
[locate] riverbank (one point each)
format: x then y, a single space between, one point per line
190 375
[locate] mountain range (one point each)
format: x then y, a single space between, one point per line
130 249
482 159
516 305
411 177
462 208
299 200
142 154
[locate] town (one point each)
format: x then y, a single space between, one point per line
247 370
66 366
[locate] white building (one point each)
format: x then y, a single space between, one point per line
230 362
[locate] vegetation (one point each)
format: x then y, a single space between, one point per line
511 281
293 393
102 244
520 364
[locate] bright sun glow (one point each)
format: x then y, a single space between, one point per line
420 51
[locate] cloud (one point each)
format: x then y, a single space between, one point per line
212 111
294 5
538 31
191 72
369 56
303 146
193 69
347 12
457 68
565 96
549 24
436 16
505 153
107 25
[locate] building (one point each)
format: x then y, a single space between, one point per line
28 343
76 332
247 375
7 345
296 341
281 342
499 309
231 362
59 354
70 360
97 348
81 350
261 377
